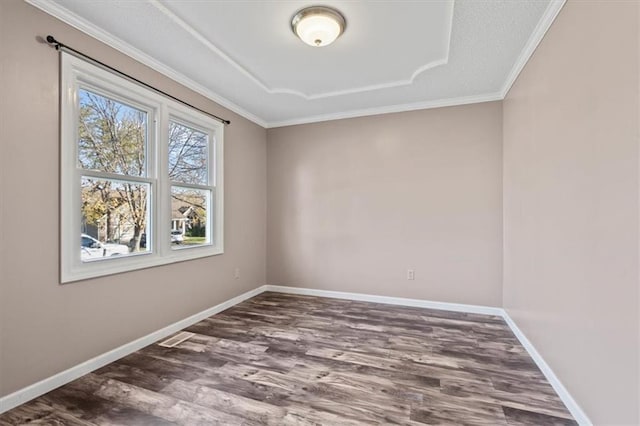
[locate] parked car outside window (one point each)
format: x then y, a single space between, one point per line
177 237
92 249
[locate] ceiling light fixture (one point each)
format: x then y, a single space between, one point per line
318 25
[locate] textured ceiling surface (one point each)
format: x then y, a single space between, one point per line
394 55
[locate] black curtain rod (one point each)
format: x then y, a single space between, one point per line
57 45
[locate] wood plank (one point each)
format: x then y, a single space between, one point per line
280 359
529 418
165 406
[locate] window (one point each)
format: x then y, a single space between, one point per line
141 176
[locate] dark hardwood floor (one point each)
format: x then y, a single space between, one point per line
281 359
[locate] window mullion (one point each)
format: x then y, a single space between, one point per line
163 212
114 176
192 186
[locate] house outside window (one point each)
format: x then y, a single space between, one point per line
141 176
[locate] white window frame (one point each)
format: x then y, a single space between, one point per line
77 73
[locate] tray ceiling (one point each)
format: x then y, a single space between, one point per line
394 55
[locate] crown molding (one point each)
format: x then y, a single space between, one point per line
369 88
171 15
165 10
81 24
464 100
86 27
549 16
536 37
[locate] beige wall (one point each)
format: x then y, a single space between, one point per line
571 205
355 203
47 327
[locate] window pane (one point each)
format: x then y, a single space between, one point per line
112 136
114 218
187 154
189 217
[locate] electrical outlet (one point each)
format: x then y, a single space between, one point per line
236 274
411 274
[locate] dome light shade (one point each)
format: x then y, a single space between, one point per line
318 25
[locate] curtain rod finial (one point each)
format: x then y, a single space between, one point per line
53 42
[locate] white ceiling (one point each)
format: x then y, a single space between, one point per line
394 55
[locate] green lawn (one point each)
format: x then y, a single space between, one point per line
194 240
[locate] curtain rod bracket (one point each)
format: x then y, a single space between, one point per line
51 41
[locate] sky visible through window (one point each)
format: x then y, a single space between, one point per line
187 154
112 135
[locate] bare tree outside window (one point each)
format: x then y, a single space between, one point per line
187 154
188 160
112 139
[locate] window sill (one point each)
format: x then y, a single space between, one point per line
117 265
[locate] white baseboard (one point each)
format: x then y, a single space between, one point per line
40 388
578 414
33 391
417 303
571 404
